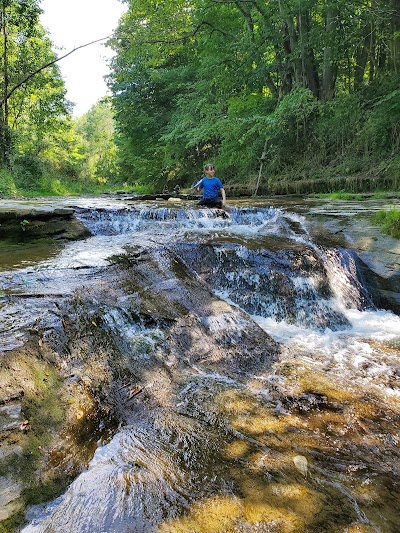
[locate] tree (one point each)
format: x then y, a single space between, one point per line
19 25
232 73
96 129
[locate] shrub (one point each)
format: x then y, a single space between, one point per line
389 221
7 184
28 170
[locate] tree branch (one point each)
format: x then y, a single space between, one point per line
32 74
188 36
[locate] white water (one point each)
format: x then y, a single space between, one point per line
127 476
149 227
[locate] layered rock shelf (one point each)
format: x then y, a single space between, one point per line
36 222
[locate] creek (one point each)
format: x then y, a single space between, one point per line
250 369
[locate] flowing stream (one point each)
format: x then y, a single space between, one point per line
269 379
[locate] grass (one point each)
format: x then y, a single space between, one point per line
378 195
389 221
340 196
13 185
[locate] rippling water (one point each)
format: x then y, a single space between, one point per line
219 449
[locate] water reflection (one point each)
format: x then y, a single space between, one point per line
20 255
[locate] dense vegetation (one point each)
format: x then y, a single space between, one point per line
42 148
311 84
302 95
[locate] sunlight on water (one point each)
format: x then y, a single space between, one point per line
305 442
346 350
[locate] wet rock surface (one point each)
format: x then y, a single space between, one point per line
29 223
285 280
153 402
379 252
120 336
348 224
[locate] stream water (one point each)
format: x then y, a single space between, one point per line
301 436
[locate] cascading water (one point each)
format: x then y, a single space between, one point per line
124 220
210 438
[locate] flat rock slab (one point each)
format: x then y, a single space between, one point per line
10 417
26 222
162 196
353 220
10 493
18 212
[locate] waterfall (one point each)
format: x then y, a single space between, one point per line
304 285
124 220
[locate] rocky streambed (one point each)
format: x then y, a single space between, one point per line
178 371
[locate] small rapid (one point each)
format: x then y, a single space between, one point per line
175 220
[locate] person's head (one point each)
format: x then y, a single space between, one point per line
209 170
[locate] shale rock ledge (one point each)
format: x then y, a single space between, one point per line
37 222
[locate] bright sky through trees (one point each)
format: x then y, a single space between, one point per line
73 23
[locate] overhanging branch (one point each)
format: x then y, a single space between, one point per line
32 74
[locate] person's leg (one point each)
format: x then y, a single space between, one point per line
210 202
215 202
203 201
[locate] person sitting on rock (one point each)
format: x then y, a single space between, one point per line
212 187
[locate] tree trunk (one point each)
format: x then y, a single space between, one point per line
280 44
310 72
303 63
372 54
361 60
262 159
329 68
243 8
395 45
295 61
5 139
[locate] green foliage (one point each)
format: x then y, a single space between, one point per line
305 76
382 195
389 221
339 120
98 159
289 126
43 149
341 196
143 189
382 127
35 111
23 224
316 83
28 170
7 183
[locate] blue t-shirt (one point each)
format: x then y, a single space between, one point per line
211 187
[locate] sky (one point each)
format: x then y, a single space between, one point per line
72 23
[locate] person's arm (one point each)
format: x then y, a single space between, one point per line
223 196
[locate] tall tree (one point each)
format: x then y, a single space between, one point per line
19 21
214 78
96 128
